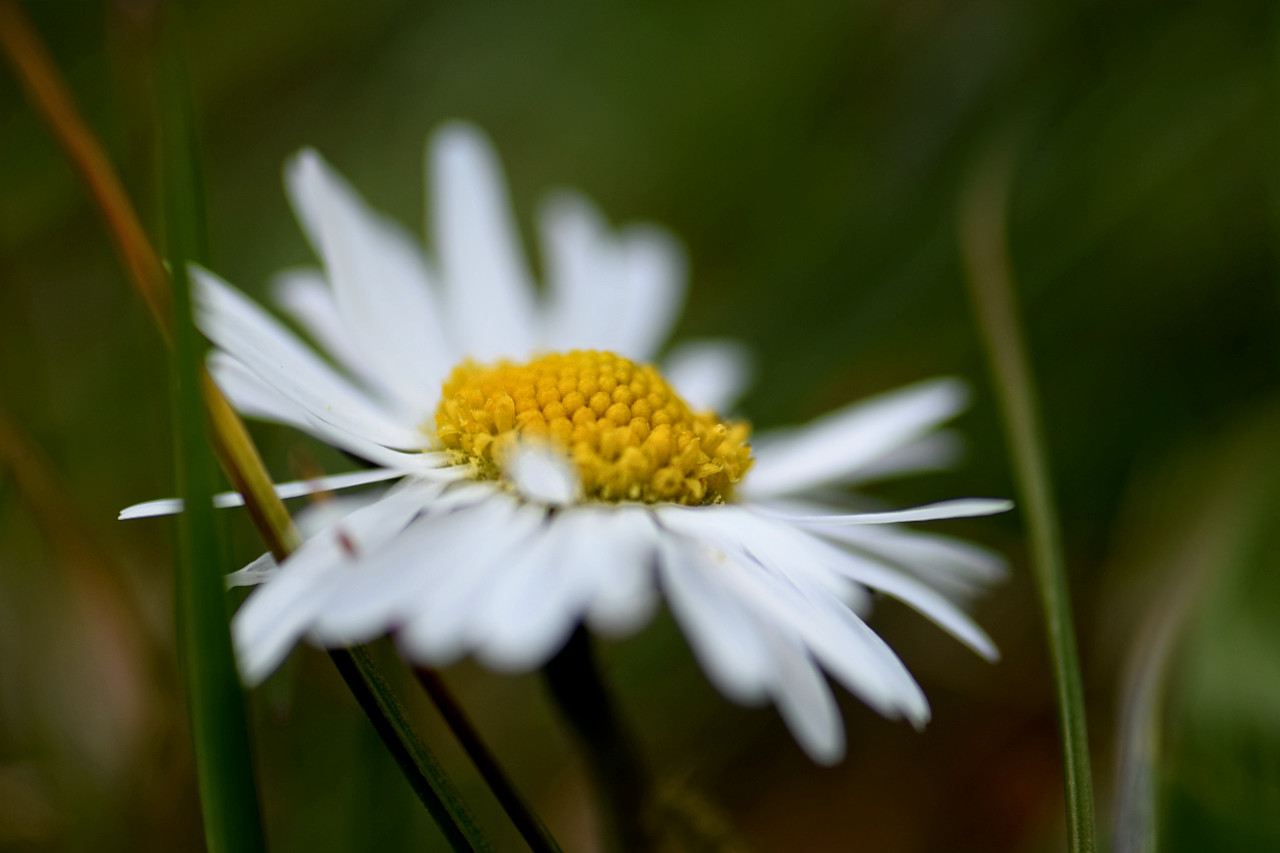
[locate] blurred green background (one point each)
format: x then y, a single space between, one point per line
811 158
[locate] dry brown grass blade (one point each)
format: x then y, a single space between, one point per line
48 93
233 446
125 664
244 467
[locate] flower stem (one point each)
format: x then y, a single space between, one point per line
612 757
526 821
420 767
983 240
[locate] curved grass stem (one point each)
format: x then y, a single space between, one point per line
990 278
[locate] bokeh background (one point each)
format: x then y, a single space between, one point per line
812 158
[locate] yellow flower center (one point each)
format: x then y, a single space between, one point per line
628 435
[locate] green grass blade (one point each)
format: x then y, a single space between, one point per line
526 821
49 95
990 278
421 769
215 700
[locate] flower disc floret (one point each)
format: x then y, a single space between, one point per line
629 436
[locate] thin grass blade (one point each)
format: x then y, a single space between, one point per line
51 98
991 287
526 820
215 700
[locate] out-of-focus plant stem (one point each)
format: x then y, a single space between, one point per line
240 460
621 780
984 245
424 773
1135 819
1194 542
527 823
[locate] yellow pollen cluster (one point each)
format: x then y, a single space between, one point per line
629 435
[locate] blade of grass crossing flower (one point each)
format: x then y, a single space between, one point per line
425 775
527 823
228 793
247 472
215 701
421 769
52 99
983 242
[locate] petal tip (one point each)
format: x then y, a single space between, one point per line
458 140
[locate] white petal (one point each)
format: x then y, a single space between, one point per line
541 473
652 273
383 292
438 632
941 559
723 634
487 287
895 583
842 642
929 603
903 695
585 299
271 351
960 508
625 594
805 701
305 295
261 570
543 594
737 530
936 451
391 584
279 613
465 493
782 573
252 397
709 375
276 616
429 465
616 293
315 516
152 509
294 489
836 446
796 553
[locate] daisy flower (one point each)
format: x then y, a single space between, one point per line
550 475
